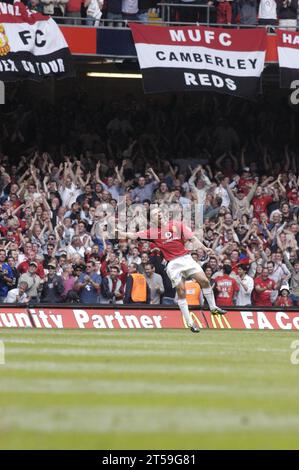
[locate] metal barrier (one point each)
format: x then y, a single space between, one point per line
80 22
166 7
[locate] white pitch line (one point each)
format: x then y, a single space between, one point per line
136 342
86 367
133 387
111 352
114 367
132 420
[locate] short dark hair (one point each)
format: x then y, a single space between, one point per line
244 267
114 267
151 265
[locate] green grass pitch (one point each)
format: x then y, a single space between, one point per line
148 389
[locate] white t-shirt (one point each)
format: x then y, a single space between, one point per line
129 6
12 295
71 251
222 192
69 195
268 10
244 297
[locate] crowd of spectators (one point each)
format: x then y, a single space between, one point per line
63 167
117 12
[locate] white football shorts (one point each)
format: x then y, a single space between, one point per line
182 268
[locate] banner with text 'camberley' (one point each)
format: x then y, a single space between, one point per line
31 45
198 58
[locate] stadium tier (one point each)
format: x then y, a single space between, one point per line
76 177
82 173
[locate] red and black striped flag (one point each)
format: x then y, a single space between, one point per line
288 57
31 45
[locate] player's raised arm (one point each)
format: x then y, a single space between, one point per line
199 244
134 235
188 235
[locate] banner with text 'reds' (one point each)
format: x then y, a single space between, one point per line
198 58
31 45
288 57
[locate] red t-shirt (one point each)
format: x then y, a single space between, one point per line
170 239
283 302
228 288
245 184
263 298
260 204
294 198
74 6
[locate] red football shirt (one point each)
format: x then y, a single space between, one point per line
245 184
284 302
263 298
169 239
260 204
228 288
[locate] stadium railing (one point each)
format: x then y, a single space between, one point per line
121 24
136 306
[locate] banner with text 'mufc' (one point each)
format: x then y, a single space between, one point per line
198 58
31 45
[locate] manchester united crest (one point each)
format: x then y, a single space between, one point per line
4 46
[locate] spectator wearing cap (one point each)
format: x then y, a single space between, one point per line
33 281
89 284
246 285
24 266
246 180
284 299
53 286
17 295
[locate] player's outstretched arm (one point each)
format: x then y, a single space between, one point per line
199 244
